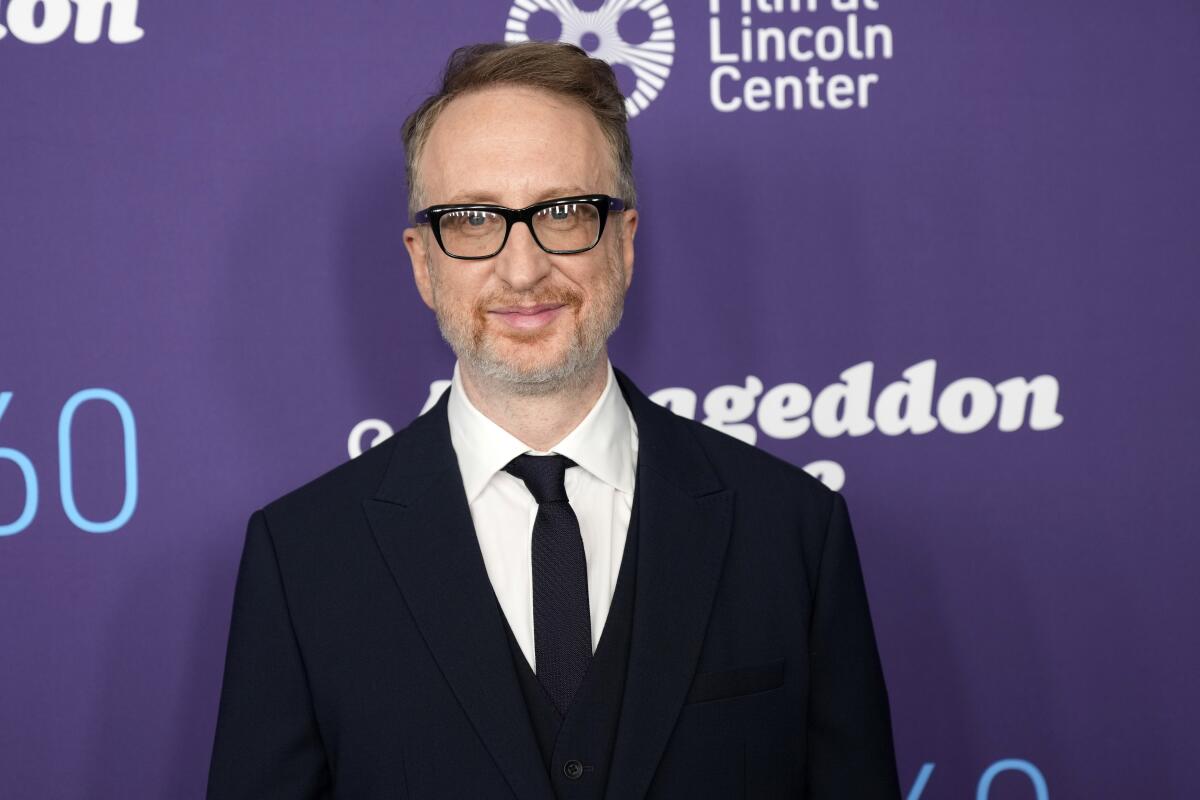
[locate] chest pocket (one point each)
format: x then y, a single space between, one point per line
726 683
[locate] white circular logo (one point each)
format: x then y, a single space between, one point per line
596 32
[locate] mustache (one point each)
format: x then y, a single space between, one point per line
552 296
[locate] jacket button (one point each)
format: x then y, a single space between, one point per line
573 769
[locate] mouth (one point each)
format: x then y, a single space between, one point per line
528 317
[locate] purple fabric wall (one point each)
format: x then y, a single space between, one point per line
201 215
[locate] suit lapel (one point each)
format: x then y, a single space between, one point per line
685 517
422 523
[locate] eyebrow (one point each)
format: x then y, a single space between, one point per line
488 197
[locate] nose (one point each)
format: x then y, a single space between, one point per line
522 264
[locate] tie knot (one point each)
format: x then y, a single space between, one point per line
543 475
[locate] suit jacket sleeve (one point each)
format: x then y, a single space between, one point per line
267 743
850 750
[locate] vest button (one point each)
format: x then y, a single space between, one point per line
573 769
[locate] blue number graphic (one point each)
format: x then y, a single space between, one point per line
64 460
1041 791
31 485
918 787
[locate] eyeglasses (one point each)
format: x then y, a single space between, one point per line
562 227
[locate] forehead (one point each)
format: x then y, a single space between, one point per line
514 146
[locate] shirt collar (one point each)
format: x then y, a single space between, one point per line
604 443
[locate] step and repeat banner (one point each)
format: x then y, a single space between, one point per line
941 254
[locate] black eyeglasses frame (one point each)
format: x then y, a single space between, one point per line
432 215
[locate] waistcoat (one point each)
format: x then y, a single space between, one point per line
577 748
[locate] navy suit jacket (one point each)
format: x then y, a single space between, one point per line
367 657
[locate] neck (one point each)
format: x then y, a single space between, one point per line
539 421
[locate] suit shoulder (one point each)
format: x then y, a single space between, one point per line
348 484
328 498
741 465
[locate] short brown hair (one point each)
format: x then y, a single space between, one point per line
556 67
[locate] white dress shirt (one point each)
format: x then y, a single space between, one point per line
603 445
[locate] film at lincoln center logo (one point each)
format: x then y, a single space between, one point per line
597 33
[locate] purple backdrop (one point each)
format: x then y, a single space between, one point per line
201 208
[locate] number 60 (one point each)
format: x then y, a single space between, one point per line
66 487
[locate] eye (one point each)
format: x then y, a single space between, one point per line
477 218
561 214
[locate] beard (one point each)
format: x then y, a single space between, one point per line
532 372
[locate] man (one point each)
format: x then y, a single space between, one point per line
547 585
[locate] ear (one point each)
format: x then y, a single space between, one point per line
418 253
629 223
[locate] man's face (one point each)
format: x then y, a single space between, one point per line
514 147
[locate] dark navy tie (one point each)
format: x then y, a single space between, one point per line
562 625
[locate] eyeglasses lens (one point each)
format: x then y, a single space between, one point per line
472 233
567 226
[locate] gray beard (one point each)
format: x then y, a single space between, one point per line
568 374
